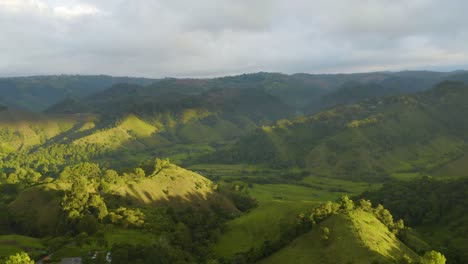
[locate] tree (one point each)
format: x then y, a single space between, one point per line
323 211
111 176
384 216
97 206
76 199
19 258
140 173
160 164
405 259
127 217
325 235
12 178
346 204
88 170
433 257
365 205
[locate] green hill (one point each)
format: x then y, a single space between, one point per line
37 210
373 140
355 238
144 124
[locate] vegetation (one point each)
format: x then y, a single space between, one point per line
102 171
19 258
437 209
371 141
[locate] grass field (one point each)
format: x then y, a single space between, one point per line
12 244
112 235
279 205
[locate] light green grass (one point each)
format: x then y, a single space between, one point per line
279 206
355 238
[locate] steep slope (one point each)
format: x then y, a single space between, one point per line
370 140
355 238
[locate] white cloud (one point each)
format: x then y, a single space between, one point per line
75 11
22 5
47 8
216 37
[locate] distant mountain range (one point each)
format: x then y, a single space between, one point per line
305 92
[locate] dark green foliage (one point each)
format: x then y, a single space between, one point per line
150 254
423 201
39 92
127 218
239 196
440 206
323 211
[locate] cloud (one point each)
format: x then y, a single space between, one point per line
75 11
22 7
159 38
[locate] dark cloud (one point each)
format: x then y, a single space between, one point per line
218 37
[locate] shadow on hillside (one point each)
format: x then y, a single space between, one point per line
213 202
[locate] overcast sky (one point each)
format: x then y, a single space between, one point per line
201 38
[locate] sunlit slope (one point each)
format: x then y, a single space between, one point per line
130 128
355 238
279 206
21 129
172 182
371 140
37 208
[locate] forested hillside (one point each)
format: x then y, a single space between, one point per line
36 93
437 209
373 139
305 93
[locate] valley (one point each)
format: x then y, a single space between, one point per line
256 168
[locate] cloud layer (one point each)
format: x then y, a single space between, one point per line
157 38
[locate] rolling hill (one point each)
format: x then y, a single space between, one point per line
372 140
37 210
358 237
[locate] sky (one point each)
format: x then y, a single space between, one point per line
205 38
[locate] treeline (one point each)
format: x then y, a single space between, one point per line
427 202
